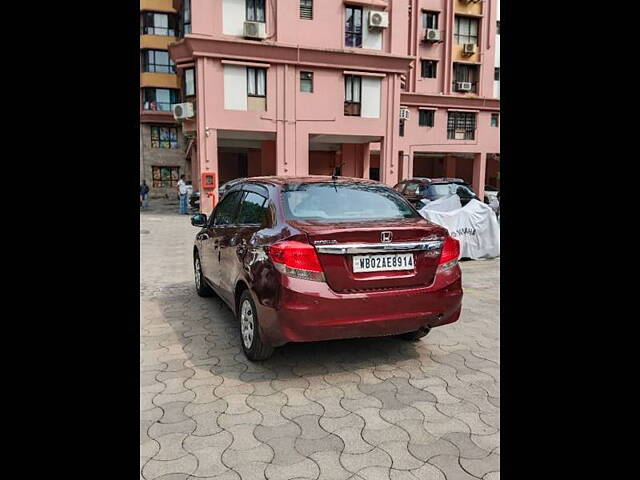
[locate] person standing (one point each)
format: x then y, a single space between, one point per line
144 195
182 191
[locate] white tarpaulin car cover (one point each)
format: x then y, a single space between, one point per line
475 226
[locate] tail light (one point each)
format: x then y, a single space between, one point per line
296 259
450 254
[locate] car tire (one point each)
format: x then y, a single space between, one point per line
415 335
249 327
202 288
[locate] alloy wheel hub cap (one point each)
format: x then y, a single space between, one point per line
197 272
247 324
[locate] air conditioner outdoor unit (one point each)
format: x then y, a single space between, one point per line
469 48
464 86
378 19
404 113
432 35
255 30
183 111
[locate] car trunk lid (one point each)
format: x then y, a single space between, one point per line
337 245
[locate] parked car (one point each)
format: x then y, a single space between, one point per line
315 258
421 188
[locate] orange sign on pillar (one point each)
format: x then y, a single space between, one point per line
208 183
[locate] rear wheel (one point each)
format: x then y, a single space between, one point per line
415 335
252 343
202 288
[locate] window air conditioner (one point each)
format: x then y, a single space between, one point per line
469 48
404 113
378 19
183 111
464 86
432 35
255 30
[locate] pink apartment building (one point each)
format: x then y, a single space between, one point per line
384 89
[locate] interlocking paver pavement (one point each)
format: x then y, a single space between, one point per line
352 409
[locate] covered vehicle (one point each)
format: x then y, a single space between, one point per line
475 225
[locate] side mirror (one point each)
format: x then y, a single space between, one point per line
199 220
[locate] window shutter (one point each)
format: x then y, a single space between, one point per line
306 9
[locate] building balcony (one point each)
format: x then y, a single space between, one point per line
159 80
157 6
156 42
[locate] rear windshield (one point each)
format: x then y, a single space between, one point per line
329 202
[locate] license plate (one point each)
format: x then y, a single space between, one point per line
382 262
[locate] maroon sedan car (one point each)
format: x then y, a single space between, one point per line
320 258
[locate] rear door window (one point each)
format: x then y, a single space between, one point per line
252 209
342 202
225 213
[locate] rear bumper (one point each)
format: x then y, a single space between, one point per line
310 311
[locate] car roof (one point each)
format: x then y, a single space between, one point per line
435 180
282 180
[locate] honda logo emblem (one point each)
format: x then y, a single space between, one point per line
386 237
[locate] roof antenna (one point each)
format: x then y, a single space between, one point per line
334 177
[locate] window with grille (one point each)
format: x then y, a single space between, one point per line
306 82
255 10
496 74
165 177
157 61
353 27
352 89
426 118
256 82
466 30
498 28
306 9
160 99
428 68
430 20
463 72
461 126
401 133
164 137
495 119
162 24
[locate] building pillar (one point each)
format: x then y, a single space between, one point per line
366 160
302 153
450 166
479 173
410 166
350 159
